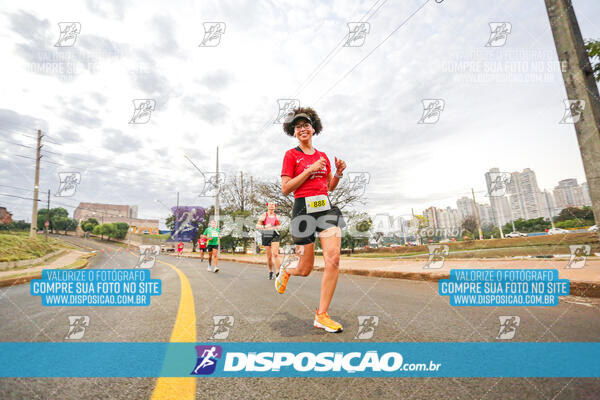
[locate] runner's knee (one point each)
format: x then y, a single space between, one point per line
332 261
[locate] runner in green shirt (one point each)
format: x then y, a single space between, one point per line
213 234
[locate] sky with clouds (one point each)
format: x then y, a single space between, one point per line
502 104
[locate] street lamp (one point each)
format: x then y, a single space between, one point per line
129 237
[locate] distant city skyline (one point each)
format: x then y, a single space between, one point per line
522 199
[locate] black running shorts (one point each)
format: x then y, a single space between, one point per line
304 226
269 236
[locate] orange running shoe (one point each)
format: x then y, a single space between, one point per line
324 322
281 280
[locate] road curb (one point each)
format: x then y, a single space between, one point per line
582 289
25 279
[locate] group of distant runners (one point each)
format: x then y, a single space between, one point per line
308 174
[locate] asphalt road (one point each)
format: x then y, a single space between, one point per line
408 311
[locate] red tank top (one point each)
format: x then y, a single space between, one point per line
271 220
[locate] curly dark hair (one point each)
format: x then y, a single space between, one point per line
288 128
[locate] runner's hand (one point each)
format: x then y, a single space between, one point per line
318 165
340 165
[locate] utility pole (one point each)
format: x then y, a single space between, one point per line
47 224
33 228
512 218
251 193
244 241
242 183
580 85
477 215
418 222
500 214
547 202
217 203
176 214
252 209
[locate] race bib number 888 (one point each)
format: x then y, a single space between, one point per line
317 203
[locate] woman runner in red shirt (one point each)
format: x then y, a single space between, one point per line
307 173
269 224
202 246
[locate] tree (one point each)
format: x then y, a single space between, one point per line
345 196
115 230
357 229
119 230
469 224
100 230
15 226
529 225
89 225
170 222
55 213
592 48
237 193
490 230
64 224
582 213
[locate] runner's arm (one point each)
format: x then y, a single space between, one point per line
332 182
289 184
259 223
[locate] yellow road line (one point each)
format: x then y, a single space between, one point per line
184 330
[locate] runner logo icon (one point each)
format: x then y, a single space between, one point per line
286 110
207 359
68 183
68 34
212 34
579 254
508 326
142 112
432 109
366 326
497 183
359 181
573 111
357 34
499 32
437 255
223 325
77 325
147 257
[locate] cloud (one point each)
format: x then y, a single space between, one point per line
13 122
150 82
164 27
109 9
217 80
82 117
212 112
116 141
68 136
65 63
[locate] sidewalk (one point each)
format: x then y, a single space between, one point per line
16 276
584 281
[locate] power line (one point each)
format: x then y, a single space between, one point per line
44 160
372 51
29 147
19 197
326 60
19 132
18 188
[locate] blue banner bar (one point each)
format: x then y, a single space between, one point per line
309 359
